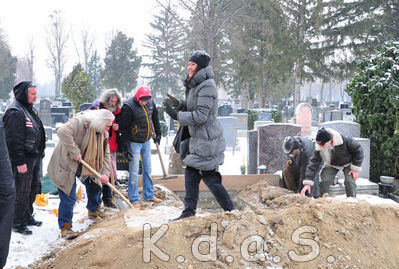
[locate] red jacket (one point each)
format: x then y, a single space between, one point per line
114 136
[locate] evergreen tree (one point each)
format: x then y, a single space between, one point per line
94 70
355 28
166 44
8 68
259 50
76 86
375 95
305 19
122 64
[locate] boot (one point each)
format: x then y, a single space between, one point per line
66 229
22 229
184 214
155 200
33 222
97 213
67 233
108 202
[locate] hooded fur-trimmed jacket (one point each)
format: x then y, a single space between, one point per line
344 152
199 113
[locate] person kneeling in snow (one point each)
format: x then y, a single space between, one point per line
84 137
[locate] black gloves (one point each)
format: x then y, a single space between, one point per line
168 109
157 139
172 101
125 148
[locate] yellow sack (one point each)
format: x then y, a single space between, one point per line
41 199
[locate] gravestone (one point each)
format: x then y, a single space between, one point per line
347 114
242 120
175 166
365 143
325 114
66 104
252 152
348 128
303 116
57 103
45 112
224 111
336 115
265 116
270 141
229 125
259 123
59 114
84 107
49 132
241 110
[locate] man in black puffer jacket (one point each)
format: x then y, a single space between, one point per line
139 114
26 143
338 152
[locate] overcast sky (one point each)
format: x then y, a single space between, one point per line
24 19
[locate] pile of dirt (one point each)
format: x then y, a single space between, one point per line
290 231
262 195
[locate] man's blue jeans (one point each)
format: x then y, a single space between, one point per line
143 149
65 208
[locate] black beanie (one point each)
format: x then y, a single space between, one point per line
201 58
323 136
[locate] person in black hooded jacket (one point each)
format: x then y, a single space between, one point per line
25 139
7 197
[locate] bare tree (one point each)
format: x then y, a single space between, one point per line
57 37
30 57
22 70
87 47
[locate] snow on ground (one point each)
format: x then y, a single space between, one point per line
25 249
371 199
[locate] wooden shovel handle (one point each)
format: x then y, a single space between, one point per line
108 184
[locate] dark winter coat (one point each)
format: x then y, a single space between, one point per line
301 159
136 121
7 197
199 113
345 152
23 129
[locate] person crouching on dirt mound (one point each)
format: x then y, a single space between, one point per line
83 137
299 150
338 152
205 151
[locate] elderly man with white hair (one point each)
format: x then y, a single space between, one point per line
83 137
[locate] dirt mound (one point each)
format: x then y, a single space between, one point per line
262 195
321 233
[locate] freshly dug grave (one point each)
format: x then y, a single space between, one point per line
291 231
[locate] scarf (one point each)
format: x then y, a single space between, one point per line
94 155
